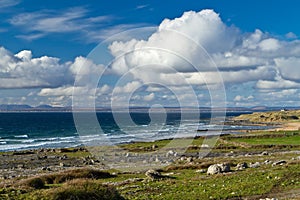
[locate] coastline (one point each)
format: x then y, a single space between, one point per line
269 159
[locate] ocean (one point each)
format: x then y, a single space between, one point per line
34 130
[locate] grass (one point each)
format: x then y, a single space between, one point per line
184 182
77 189
191 185
269 138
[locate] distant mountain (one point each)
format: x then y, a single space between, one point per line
48 108
44 106
5 107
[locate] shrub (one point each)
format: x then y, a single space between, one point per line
36 183
75 174
82 189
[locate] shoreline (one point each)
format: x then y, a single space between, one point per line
261 158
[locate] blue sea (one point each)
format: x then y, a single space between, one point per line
34 130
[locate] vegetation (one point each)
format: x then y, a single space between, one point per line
184 179
272 116
77 189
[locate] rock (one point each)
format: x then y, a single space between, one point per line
264 153
225 167
241 166
21 166
64 157
157 159
204 146
280 162
189 159
218 168
154 146
267 162
171 153
153 174
46 168
62 164
127 155
214 169
254 165
201 170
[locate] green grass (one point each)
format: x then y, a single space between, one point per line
188 184
184 182
285 140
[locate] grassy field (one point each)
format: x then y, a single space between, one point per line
182 179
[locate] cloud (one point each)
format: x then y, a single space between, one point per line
278 83
240 57
22 70
181 53
109 31
269 44
289 68
142 6
8 3
149 97
242 98
73 20
291 35
128 88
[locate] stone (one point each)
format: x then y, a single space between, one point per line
201 170
171 153
254 165
21 166
153 174
189 159
267 162
280 162
225 167
218 168
214 169
241 166
264 153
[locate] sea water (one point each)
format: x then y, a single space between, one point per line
33 130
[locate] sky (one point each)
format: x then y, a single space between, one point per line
149 53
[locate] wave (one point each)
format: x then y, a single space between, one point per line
53 144
21 136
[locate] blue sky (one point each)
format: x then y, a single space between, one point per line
65 32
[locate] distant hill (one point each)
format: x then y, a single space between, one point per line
45 108
272 116
5 107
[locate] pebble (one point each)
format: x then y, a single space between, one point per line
201 170
254 165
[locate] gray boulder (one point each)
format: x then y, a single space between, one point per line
218 168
